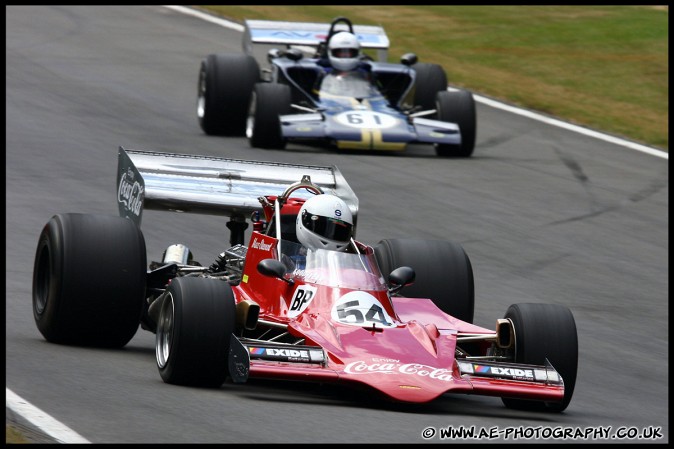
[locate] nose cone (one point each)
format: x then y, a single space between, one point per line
406 382
406 363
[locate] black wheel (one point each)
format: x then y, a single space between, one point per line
430 80
458 107
89 280
223 92
443 272
196 321
268 102
545 331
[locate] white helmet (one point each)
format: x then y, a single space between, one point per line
344 51
325 222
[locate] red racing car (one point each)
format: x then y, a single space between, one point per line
396 317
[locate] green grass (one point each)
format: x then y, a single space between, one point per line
604 67
14 436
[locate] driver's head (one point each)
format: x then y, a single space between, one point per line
325 222
344 51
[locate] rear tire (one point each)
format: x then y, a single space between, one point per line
89 280
458 107
223 93
430 79
268 102
545 331
443 272
196 321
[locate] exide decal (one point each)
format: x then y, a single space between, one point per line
130 193
287 355
497 371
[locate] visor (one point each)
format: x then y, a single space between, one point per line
330 228
344 53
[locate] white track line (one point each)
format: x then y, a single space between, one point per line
574 128
483 100
55 429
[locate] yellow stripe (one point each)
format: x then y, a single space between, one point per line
369 139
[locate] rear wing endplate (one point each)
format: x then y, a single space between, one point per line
213 185
309 34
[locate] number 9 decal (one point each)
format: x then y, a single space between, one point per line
360 309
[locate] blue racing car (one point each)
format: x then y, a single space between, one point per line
321 87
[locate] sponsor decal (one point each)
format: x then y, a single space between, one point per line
360 309
301 298
287 355
512 373
287 352
261 245
308 276
130 193
366 120
481 369
509 372
411 369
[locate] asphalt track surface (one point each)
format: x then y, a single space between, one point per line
546 215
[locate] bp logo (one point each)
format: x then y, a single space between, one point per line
301 299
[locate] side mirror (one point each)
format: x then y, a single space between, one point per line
273 54
294 54
273 268
408 59
400 277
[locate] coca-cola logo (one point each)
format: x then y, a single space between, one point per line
412 369
130 193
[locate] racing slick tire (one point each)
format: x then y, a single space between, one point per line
196 320
430 79
89 280
223 92
545 331
443 273
268 102
458 107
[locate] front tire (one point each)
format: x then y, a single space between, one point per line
458 107
89 280
196 321
443 272
545 331
268 102
223 92
430 79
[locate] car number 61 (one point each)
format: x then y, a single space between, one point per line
366 119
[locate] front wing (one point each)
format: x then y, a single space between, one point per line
368 130
407 382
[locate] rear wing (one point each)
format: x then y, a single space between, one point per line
213 185
308 34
